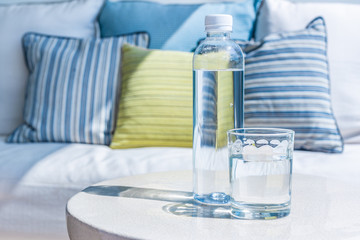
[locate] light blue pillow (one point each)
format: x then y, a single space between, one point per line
287 85
173 26
72 88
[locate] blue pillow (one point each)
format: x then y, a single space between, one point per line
173 26
72 88
287 85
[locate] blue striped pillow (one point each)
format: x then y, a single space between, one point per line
287 85
72 88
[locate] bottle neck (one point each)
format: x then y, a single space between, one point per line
221 35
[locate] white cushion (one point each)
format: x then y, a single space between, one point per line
343 51
74 19
37 179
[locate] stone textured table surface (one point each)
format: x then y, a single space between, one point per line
160 206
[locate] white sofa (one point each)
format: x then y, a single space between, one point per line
37 179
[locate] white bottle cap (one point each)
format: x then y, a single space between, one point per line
218 22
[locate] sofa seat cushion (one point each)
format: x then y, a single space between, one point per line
77 165
36 180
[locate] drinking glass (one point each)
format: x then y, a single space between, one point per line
260 172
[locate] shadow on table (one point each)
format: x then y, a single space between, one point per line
182 204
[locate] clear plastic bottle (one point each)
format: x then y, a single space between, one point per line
218 105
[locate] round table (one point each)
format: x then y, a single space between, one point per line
160 206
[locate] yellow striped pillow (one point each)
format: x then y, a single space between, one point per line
155 107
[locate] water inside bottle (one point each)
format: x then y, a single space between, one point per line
218 107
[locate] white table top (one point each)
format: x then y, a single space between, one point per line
160 206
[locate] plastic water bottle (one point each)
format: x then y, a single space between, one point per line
218 105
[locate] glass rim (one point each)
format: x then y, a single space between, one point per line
260 131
